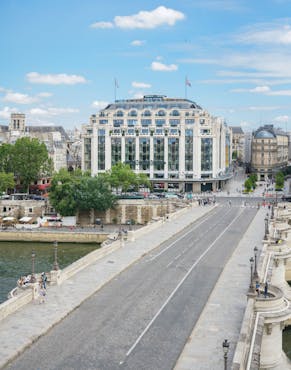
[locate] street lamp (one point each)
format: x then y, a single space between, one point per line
256 275
56 265
32 279
251 288
225 347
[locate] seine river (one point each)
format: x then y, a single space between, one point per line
15 260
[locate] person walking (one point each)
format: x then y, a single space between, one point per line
266 289
43 280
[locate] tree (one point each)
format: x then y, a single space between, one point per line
248 185
6 181
72 191
279 181
94 193
29 158
62 194
121 177
5 157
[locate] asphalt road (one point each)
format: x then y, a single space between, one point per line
143 318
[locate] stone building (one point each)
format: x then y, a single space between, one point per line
54 137
238 141
175 142
269 151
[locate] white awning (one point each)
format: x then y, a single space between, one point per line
8 219
25 219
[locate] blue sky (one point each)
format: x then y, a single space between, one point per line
60 58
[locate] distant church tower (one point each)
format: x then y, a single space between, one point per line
17 122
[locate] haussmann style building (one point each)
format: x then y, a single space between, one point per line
175 142
269 152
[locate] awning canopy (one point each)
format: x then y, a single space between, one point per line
25 219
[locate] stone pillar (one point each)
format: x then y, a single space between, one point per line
278 272
139 218
271 347
56 277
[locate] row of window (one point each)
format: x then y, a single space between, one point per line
148 122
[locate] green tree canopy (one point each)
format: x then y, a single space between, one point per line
6 181
29 159
121 177
279 180
5 157
73 191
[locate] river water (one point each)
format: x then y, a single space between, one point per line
15 260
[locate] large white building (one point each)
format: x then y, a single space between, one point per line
175 142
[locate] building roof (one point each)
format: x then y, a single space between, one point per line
236 130
153 102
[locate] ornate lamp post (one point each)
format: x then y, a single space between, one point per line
32 279
256 275
225 347
56 265
251 288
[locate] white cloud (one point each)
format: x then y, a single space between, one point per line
157 66
6 112
102 25
267 34
263 108
137 42
98 104
19 98
54 79
44 95
280 93
52 111
282 119
144 19
260 89
140 85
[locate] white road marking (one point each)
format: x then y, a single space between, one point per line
178 286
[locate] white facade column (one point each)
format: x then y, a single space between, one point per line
182 154
94 151
137 153
151 157
196 156
122 149
215 156
107 151
166 151
271 347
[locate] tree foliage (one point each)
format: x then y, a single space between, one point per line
73 191
29 157
6 181
279 180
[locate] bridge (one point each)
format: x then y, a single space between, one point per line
166 297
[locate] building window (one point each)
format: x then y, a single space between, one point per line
130 152
175 113
160 122
174 122
133 113
101 152
131 122
103 121
147 113
161 113
117 122
159 149
144 153
146 122
189 121
119 113
173 154
206 154
115 151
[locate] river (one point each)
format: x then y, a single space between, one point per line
15 260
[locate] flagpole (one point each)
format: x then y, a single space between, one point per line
115 90
186 87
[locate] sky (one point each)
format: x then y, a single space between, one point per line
63 60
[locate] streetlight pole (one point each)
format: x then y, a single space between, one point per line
32 279
251 288
256 275
225 347
56 265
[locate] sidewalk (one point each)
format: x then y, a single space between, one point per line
222 316
21 329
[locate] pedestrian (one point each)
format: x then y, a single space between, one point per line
43 280
258 288
266 289
42 294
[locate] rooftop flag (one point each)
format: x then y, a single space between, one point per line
187 82
116 83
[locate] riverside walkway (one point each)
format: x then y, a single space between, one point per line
221 317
